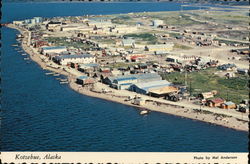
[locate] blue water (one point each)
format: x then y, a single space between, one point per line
39 114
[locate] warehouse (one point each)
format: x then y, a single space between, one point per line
121 82
54 49
80 59
159 48
162 91
145 87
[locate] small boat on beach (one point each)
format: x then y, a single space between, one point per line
49 73
143 112
64 82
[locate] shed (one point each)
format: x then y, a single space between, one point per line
229 105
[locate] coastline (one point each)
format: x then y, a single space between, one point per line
116 96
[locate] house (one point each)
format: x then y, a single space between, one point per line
228 105
207 95
53 49
88 67
217 102
80 59
84 80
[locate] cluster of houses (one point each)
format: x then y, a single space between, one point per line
142 78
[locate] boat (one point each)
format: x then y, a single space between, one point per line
143 112
64 82
56 74
49 73
24 54
26 58
14 45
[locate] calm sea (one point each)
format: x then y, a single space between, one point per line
39 114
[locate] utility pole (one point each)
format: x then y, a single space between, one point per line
190 87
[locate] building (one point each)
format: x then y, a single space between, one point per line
217 102
38 19
146 87
242 71
162 91
229 105
53 49
128 42
157 22
159 48
125 81
207 95
54 26
79 59
88 67
227 67
124 29
84 80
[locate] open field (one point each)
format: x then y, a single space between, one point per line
234 89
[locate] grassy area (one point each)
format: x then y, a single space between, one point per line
173 35
62 41
180 46
229 42
234 89
121 64
148 37
124 19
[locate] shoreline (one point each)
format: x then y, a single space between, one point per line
116 96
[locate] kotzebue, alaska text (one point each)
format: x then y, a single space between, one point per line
38 157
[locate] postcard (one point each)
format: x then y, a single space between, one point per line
124 81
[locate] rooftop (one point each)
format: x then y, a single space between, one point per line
74 56
54 47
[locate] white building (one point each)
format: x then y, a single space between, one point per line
160 48
79 59
157 22
53 49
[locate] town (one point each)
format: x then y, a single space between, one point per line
185 60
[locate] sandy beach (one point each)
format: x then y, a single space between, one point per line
236 120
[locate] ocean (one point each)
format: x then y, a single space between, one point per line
40 114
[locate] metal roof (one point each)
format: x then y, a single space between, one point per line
54 47
152 84
229 103
126 78
73 56
89 65
82 77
